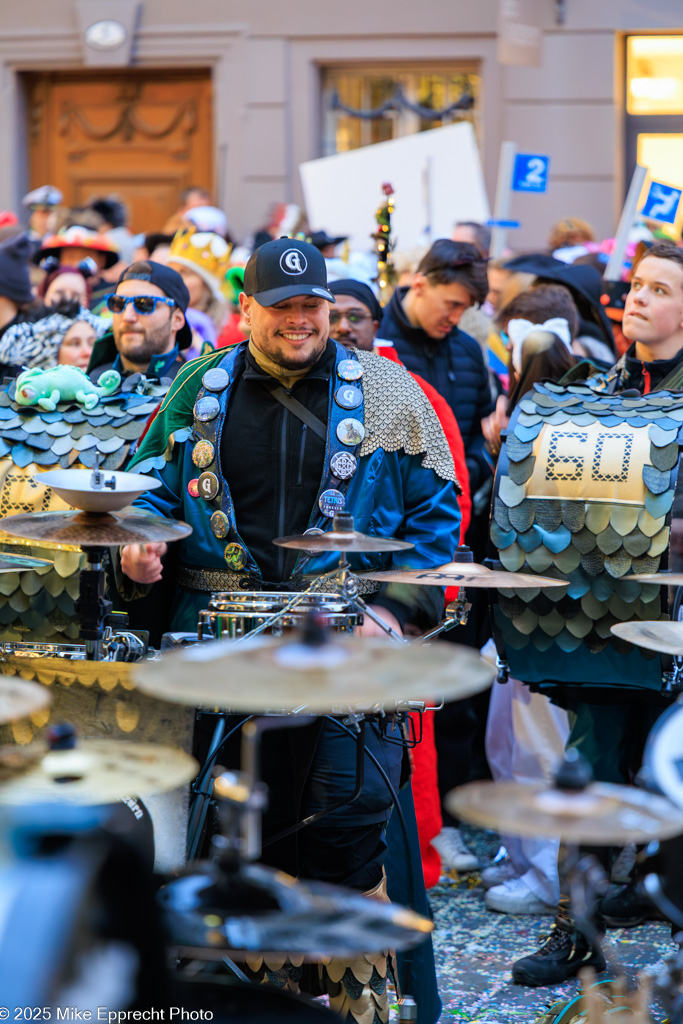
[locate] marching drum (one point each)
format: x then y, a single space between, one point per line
233 615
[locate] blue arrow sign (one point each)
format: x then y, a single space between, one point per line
530 173
662 203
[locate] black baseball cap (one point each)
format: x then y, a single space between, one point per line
284 268
171 284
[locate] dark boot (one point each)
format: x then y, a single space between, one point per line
627 907
562 955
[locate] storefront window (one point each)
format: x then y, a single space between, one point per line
412 95
654 74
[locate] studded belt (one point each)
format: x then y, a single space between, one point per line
214 581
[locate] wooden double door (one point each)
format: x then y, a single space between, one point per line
143 136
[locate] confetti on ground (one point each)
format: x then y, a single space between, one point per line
475 948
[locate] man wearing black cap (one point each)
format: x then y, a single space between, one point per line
272 437
149 327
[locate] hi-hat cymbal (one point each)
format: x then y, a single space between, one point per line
21 563
19 699
341 540
266 673
464 574
664 637
117 489
94 529
601 814
258 908
97 771
662 579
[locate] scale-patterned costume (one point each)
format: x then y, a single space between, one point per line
583 492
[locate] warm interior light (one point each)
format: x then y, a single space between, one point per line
655 88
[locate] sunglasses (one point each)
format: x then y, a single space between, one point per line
142 304
353 318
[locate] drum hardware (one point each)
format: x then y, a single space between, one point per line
21 563
95 529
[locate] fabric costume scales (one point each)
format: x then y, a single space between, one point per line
584 490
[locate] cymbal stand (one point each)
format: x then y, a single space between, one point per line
457 613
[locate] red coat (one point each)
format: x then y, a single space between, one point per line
424 776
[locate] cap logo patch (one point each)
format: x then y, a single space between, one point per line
293 261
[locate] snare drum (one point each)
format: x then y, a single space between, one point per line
237 614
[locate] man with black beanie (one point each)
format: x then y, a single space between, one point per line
15 281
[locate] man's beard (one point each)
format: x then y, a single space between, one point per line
149 342
301 360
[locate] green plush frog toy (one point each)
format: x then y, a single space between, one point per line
46 388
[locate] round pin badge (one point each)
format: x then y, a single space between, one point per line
348 396
216 379
235 556
313 532
209 486
350 369
203 454
331 502
206 408
343 465
220 525
350 432
193 488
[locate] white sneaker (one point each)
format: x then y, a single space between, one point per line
496 874
515 897
454 853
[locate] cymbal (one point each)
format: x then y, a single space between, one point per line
341 540
464 574
99 772
284 674
116 490
258 908
665 637
601 814
94 529
21 563
19 699
663 579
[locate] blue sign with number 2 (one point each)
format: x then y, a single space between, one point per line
530 173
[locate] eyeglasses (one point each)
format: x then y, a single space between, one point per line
142 304
353 318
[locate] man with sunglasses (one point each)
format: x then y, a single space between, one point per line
149 328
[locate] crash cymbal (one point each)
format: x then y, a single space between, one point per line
94 529
464 574
664 637
285 674
19 699
96 772
97 490
258 909
341 540
21 563
663 579
601 814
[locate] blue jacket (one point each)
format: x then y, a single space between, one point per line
455 367
392 494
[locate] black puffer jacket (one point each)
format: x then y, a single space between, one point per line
455 367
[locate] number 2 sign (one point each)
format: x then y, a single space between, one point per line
530 173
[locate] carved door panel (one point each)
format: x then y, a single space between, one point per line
144 136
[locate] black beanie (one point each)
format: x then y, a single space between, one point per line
360 291
15 282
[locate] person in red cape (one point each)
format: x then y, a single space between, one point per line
354 321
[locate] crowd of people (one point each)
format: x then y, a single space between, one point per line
446 362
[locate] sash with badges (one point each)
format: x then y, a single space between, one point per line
345 433
583 492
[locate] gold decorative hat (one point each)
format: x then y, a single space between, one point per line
206 253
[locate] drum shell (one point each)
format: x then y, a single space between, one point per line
235 614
